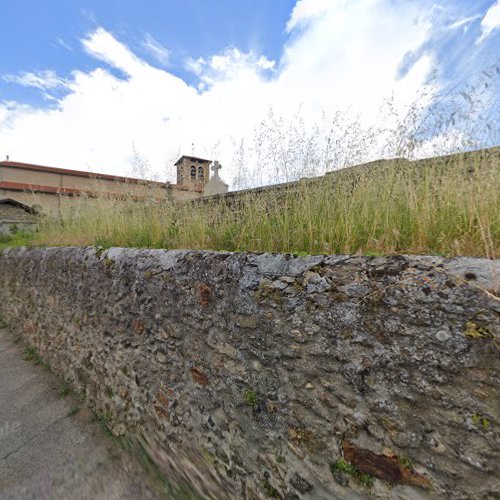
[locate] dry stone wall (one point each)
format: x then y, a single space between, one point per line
257 375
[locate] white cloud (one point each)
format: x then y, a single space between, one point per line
340 54
42 80
350 53
265 63
156 49
463 22
195 65
228 65
59 41
491 20
104 46
307 10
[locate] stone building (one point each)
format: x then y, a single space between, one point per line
55 189
193 172
193 176
16 216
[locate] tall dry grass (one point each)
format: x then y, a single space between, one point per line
446 206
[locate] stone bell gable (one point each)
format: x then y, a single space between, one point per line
192 172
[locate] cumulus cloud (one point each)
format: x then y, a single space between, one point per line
228 65
96 123
350 52
340 55
308 10
490 21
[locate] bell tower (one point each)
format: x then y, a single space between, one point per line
192 172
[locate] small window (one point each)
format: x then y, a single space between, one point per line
193 172
201 172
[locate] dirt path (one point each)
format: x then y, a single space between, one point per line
49 448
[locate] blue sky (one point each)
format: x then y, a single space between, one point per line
85 84
40 35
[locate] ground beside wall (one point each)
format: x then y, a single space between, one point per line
260 376
49 449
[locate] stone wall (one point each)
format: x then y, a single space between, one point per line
260 376
479 161
15 218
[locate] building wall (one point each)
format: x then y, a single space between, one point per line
13 213
14 218
180 194
53 203
69 185
50 203
63 180
10 174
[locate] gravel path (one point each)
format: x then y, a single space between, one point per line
51 449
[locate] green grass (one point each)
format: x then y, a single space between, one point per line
16 240
104 421
447 206
31 354
404 460
65 390
348 468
